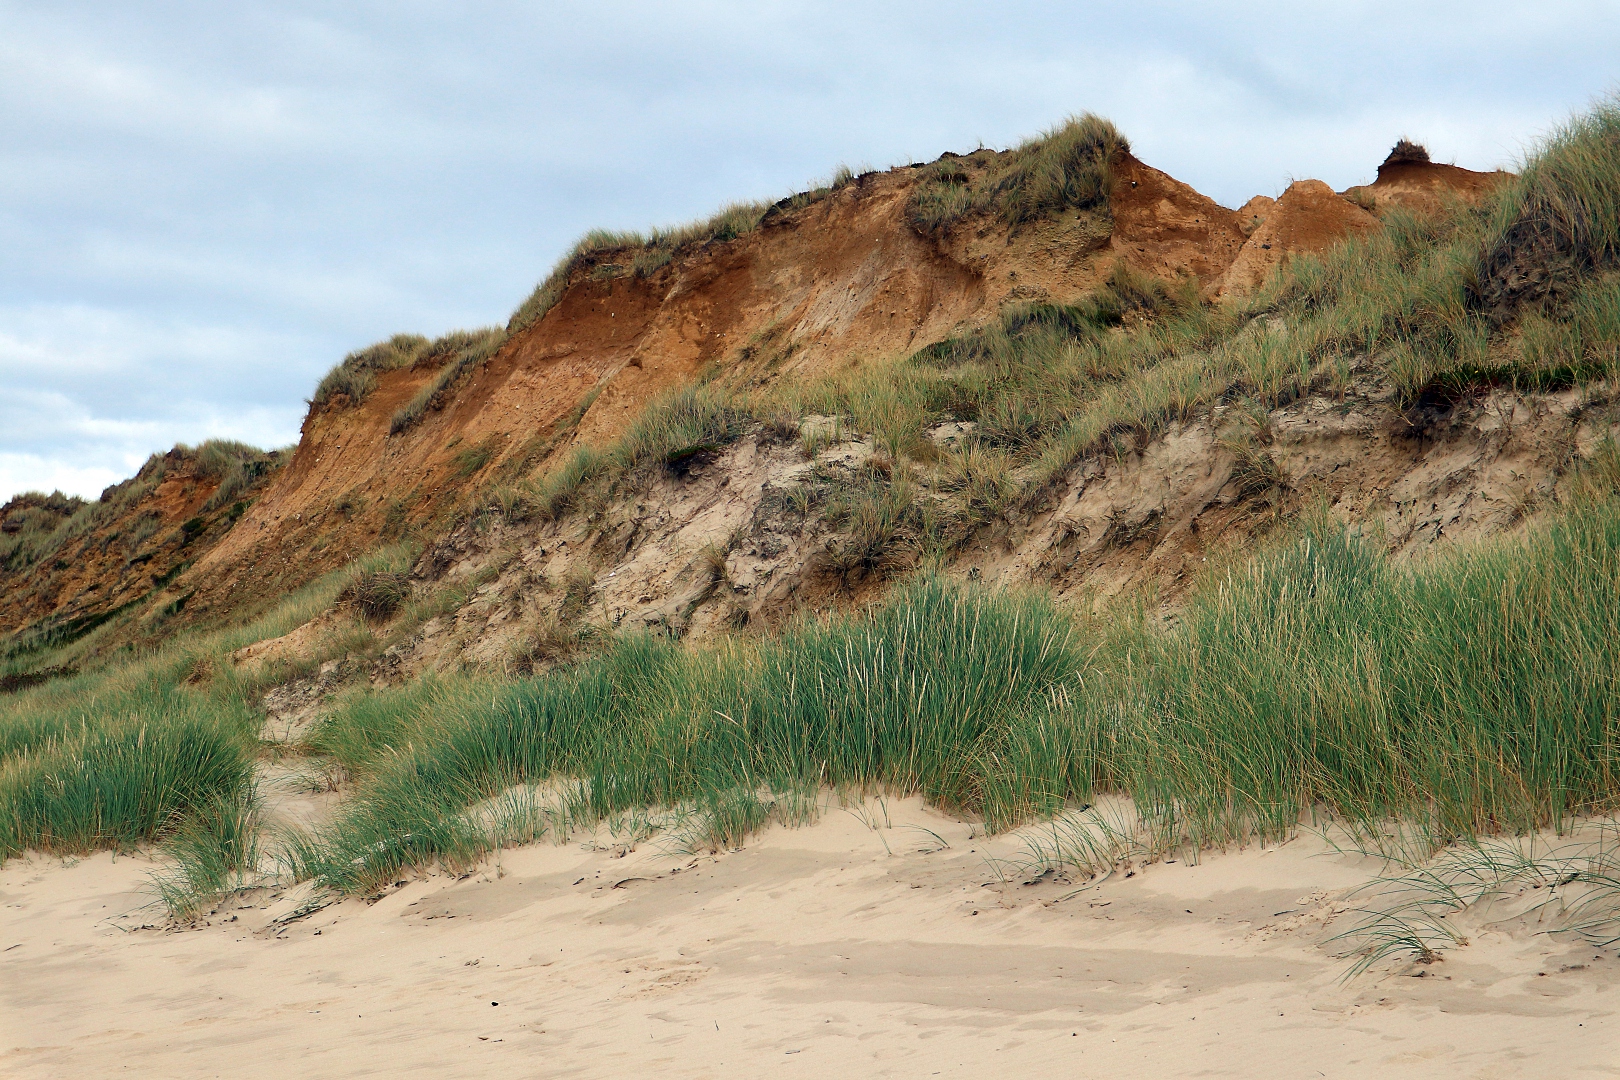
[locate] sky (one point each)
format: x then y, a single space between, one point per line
204 206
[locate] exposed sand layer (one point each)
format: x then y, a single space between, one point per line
839 949
1148 522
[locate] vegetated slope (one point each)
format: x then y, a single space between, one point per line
1430 375
1210 427
67 565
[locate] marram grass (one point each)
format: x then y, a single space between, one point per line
1471 693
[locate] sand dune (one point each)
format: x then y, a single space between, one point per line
877 942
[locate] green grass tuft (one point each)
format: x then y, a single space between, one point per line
645 253
1067 168
356 375
1559 220
214 852
458 353
114 787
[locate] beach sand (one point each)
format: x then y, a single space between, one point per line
876 942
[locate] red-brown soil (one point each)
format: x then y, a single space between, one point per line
1424 186
1308 217
1165 228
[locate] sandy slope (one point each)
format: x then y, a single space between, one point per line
833 950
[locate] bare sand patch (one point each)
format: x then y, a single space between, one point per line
837 949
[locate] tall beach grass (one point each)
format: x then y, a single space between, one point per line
1468 694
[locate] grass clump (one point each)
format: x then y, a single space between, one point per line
1570 887
643 254
214 852
377 594
116 786
366 729
474 458
458 353
1582 345
1069 167
562 490
675 434
237 466
31 526
1559 221
677 430
883 528
1042 368
356 375
1470 694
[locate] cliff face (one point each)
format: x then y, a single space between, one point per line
1308 217
811 292
814 291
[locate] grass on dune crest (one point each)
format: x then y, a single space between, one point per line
355 376
462 351
1068 167
456 353
643 254
1469 694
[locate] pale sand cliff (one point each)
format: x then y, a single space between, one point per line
833 950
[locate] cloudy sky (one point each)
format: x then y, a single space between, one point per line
203 206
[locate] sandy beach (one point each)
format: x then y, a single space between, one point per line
877 942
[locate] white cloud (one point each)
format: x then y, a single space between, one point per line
30 472
86 394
